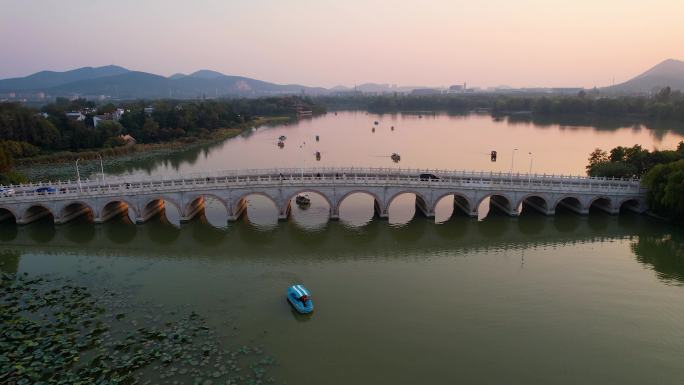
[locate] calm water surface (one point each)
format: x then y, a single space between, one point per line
499 300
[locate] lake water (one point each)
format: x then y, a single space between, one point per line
499 300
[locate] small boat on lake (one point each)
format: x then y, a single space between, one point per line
395 157
282 138
302 200
376 123
300 299
318 155
281 144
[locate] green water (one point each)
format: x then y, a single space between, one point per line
532 300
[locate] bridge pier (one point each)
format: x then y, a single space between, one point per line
379 211
423 210
334 214
239 211
284 214
150 212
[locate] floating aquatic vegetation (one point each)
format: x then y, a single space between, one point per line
57 332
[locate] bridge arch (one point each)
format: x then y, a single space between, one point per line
35 212
571 202
290 197
7 214
461 202
631 204
498 199
74 209
537 202
602 203
240 204
196 202
420 205
156 205
378 205
114 206
359 191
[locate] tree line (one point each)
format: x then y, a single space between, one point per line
661 172
27 132
665 105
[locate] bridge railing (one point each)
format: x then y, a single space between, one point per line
327 170
327 176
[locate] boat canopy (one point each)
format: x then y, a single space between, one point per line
300 291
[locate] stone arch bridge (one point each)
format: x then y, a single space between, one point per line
105 199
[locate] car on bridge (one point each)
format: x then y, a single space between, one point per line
46 190
6 192
428 177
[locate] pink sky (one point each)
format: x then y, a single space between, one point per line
320 42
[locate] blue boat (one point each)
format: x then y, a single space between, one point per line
300 299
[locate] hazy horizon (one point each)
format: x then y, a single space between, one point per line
523 43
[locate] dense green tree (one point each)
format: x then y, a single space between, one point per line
5 161
665 184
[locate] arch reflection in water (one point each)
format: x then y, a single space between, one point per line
261 211
215 211
401 208
312 216
358 209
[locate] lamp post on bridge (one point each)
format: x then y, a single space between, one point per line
529 174
101 169
78 176
512 163
301 146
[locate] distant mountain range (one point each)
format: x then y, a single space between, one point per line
668 73
119 82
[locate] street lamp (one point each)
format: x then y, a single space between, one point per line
78 176
512 162
301 146
529 174
513 159
101 169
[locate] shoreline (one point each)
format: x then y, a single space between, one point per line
61 165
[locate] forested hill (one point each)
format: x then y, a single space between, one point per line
121 83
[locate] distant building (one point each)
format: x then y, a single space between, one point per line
116 115
456 89
149 110
425 91
75 115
